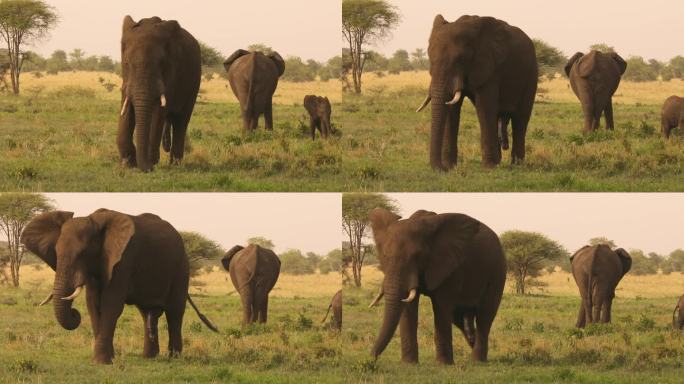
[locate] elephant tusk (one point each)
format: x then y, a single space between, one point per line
125 105
425 103
46 300
163 100
77 292
377 299
411 296
456 99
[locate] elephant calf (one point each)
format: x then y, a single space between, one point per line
597 270
678 315
319 114
254 271
336 306
672 115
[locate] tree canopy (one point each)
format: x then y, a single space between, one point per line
261 241
202 251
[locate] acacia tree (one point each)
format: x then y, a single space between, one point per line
23 21
16 211
355 210
602 240
261 241
527 253
365 22
200 251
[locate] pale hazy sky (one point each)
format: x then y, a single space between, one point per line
650 222
309 222
306 28
652 29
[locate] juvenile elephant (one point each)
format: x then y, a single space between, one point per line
336 306
120 259
161 69
254 271
672 115
494 65
597 270
452 258
678 314
319 115
594 78
253 78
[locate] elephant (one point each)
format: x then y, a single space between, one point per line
119 259
678 315
597 270
672 115
336 306
161 69
452 258
594 78
253 77
494 65
319 115
254 271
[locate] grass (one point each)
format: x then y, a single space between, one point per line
60 136
533 339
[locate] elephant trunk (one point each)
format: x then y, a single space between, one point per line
439 109
66 316
142 103
393 310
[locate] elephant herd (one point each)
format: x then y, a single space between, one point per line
494 65
161 71
458 262
139 260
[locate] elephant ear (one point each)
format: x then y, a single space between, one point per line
625 259
438 21
380 219
236 55
171 27
622 64
577 253
225 261
587 63
279 62
572 61
118 230
309 101
492 50
41 234
446 237
128 23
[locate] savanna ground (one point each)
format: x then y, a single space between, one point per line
533 338
60 136
292 347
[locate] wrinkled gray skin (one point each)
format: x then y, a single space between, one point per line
319 115
161 69
253 77
678 315
672 115
597 270
336 306
594 78
254 271
119 259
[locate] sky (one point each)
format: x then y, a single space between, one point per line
651 29
309 29
651 222
308 222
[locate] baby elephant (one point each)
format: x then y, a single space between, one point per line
254 271
319 114
678 315
336 306
672 115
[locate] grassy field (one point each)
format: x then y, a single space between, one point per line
292 347
60 136
533 339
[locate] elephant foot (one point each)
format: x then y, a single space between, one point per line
489 164
445 360
128 162
102 359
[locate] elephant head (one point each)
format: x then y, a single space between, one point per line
587 63
274 56
625 260
225 261
409 261
80 250
145 67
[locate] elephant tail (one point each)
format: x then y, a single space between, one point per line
166 136
327 313
590 295
204 319
249 108
675 323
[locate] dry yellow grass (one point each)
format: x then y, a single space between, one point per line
562 284
215 90
556 90
216 282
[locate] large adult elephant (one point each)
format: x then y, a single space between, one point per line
494 65
161 69
253 78
254 271
678 314
452 258
594 78
672 115
119 259
597 270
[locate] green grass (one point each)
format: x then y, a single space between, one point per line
68 144
533 340
292 347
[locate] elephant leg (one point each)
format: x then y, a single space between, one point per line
605 313
180 127
156 129
260 305
124 139
92 301
596 120
597 305
588 111
487 114
519 128
465 324
111 308
484 324
450 141
610 124
247 298
150 321
268 116
312 123
254 122
246 122
443 317
408 331
174 320
581 317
